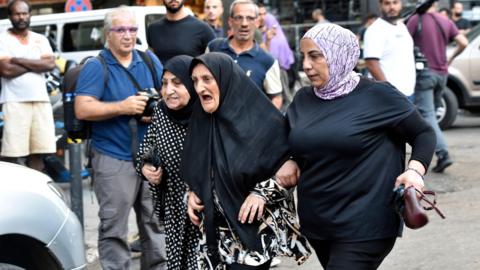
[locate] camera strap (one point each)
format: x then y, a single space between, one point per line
148 61
133 122
132 79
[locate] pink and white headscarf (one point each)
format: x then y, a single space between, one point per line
341 50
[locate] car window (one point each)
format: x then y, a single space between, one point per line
83 36
49 31
474 32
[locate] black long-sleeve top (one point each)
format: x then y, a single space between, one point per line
351 150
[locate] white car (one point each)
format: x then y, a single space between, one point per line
37 229
463 84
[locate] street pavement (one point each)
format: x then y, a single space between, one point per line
453 243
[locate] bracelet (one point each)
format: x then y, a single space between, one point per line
258 195
415 170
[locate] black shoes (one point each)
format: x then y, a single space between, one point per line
443 161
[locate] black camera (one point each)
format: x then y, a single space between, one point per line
154 157
420 59
152 101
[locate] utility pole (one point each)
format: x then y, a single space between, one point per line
76 188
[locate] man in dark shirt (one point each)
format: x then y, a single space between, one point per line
178 33
259 65
462 24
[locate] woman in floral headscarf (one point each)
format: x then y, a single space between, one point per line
348 136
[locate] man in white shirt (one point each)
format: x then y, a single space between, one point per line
24 57
388 49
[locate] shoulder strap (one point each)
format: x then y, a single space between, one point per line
440 28
418 29
130 76
149 62
105 70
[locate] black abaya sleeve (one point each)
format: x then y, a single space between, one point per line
418 133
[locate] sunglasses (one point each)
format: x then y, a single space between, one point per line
428 200
411 204
122 30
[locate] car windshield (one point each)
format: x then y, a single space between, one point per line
474 32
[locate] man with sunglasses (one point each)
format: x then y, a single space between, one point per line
116 111
178 33
260 66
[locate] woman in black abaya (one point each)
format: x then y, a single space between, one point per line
237 140
158 160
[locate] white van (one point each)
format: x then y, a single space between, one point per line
80 34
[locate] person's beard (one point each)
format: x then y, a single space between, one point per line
173 10
458 14
21 25
390 19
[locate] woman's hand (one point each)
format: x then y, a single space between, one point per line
287 176
253 205
194 206
153 175
412 176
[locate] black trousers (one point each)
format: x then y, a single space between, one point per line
236 266
365 255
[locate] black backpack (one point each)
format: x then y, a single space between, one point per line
81 129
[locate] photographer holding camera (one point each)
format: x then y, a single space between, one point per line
117 109
432 33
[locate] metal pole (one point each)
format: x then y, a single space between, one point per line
76 189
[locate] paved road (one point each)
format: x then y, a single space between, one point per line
453 243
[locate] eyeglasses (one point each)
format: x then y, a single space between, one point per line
411 203
428 200
122 30
239 18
